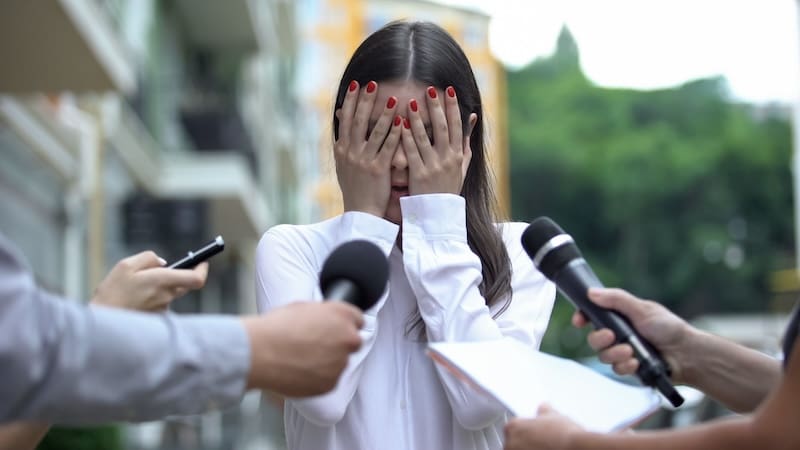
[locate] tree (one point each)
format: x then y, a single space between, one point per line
676 194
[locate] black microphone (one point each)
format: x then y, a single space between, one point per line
555 254
355 272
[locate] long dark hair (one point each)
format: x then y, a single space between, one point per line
426 53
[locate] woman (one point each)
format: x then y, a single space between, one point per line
411 164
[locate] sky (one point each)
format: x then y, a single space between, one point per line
648 44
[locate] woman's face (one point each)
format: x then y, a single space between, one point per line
404 91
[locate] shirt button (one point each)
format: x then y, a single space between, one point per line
403 405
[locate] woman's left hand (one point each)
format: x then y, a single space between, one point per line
437 163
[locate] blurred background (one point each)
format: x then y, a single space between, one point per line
659 134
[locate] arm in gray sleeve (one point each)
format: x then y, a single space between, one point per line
66 363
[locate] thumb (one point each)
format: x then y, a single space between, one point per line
619 300
544 408
143 260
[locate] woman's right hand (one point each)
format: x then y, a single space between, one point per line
364 152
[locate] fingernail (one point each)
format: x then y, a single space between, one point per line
371 87
431 92
391 102
353 86
407 123
451 92
162 261
397 120
413 105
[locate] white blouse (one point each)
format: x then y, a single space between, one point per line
391 395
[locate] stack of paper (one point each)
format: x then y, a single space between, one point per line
522 378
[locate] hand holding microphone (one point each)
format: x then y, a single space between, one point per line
305 346
671 335
555 254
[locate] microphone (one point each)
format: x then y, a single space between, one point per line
555 254
356 272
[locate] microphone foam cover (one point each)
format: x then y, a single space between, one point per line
541 230
538 233
362 263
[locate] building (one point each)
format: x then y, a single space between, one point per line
134 124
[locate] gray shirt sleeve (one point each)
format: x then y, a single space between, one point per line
67 363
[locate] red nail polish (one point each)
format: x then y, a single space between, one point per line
397 120
431 92
407 123
391 102
353 86
451 92
413 105
371 87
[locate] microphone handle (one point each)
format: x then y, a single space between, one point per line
574 280
343 290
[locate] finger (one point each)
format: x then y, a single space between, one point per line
620 300
578 319
350 312
466 145
544 408
601 339
391 143
628 367
347 110
616 354
366 100
453 118
415 162
202 271
143 260
441 136
358 319
382 126
173 278
419 133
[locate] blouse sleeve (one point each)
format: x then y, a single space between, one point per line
288 262
445 274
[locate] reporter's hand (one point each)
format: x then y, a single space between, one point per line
21 435
548 431
363 155
301 349
666 331
141 282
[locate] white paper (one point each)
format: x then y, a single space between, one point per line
521 378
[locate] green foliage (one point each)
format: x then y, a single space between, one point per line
84 438
676 194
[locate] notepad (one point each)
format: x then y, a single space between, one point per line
521 378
